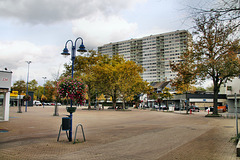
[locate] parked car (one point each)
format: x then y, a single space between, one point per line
156 106
53 104
163 107
38 103
176 108
194 108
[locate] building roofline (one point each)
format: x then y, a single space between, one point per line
155 35
6 71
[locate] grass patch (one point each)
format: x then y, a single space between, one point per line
235 139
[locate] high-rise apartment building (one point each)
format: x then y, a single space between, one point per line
154 53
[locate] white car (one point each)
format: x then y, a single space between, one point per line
156 106
37 103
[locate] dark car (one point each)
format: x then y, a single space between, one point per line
194 108
163 107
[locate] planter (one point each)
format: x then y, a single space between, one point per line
71 109
213 115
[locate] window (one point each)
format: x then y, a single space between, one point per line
229 88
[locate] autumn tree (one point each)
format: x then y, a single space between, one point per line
83 68
50 88
186 73
130 82
215 51
106 75
119 79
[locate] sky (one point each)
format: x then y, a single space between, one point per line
37 30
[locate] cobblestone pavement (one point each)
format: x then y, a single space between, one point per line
111 135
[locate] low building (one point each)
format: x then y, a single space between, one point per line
231 88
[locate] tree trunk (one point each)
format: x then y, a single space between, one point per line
215 99
186 104
114 99
123 107
89 100
56 110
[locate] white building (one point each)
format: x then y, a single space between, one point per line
154 53
5 87
231 87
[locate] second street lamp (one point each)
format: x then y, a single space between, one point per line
73 56
28 62
44 78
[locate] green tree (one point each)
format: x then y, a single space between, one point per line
20 86
39 92
210 88
200 89
50 88
32 85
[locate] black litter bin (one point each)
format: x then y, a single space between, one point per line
66 123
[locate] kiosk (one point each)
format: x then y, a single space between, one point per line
5 87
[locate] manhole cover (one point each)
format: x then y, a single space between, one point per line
3 130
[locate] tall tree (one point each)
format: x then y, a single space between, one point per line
107 77
130 82
186 73
215 51
32 85
50 88
83 68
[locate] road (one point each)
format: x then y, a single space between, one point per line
123 135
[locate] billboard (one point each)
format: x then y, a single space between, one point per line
5 80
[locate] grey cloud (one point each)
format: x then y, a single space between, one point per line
51 11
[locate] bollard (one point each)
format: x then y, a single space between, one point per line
190 111
208 111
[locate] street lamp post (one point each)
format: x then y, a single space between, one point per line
73 55
44 78
28 62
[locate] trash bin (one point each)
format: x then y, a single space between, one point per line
66 123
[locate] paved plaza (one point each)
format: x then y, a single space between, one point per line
113 135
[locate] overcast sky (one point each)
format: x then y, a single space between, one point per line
36 30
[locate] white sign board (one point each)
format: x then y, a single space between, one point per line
5 79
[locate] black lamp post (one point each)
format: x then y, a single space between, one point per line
73 55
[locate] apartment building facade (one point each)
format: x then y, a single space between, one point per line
154 53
